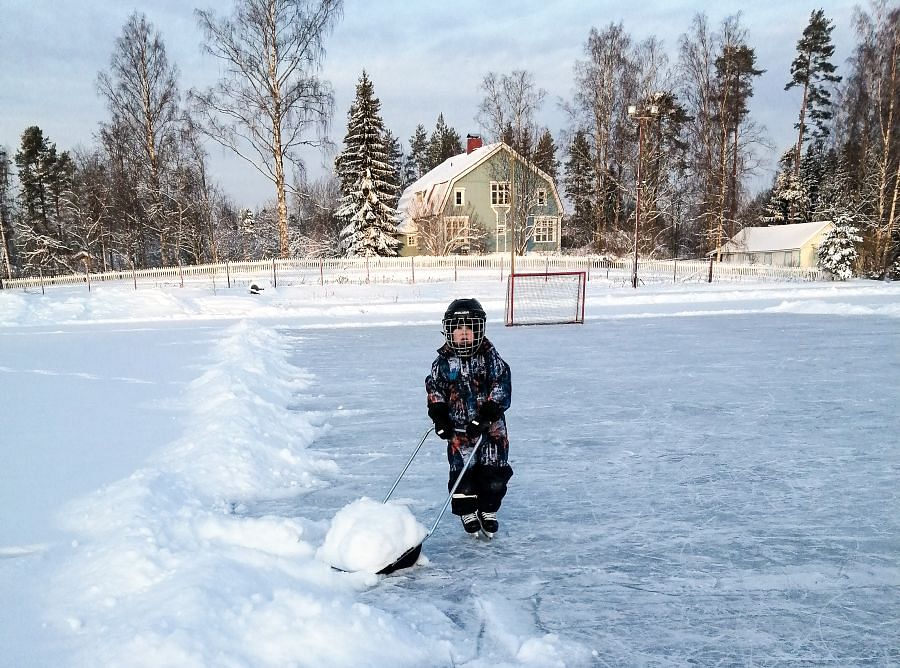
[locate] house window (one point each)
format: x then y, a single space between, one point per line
412 240
457 228
499 193
545 230
459 197
420 196
542 197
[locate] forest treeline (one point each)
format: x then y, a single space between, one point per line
670 132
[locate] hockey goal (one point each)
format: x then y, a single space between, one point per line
549 298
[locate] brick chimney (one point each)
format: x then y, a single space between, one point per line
473 142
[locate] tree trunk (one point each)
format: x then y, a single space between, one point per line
5 250
885 220
802 120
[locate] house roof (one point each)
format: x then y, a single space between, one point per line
436 184
773 238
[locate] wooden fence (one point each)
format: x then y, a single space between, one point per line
306 271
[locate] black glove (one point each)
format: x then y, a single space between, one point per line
476 428
440 415
489 412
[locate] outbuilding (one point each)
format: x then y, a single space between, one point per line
794 245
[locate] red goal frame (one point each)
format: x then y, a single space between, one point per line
578 315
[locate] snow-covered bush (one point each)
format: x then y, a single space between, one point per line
838 252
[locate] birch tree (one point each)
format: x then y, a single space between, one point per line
6 229
142 95
869 139
508 113
271 101
606 84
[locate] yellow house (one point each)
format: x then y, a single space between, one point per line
794 245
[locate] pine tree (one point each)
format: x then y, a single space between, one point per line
444 143
838 253
579 188
367 178
545 155
812 72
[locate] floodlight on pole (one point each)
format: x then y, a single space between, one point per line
640 116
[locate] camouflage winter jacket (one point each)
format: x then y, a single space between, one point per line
466 383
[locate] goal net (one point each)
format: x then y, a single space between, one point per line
545 298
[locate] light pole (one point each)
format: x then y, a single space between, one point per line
644 114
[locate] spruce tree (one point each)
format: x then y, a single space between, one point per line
444 143
788 194
838 253
45 177
418 154
367 179
812 72
545 155
579 188
396 162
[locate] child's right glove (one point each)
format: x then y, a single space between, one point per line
487 414
439 413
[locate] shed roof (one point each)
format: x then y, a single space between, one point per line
774 237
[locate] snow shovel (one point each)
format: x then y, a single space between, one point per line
408 462
410 557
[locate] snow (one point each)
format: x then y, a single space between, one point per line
704 474
367 536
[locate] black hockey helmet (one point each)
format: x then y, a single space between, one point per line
464 313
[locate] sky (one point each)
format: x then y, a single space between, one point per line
705 474
424 59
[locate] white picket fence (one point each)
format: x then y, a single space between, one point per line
300 271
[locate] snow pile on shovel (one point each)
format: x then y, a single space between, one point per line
367 536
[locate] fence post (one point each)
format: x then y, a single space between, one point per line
321 271
274 274
455 267
227 274
710 269
367 270
181 273
675 270
412 262
41 274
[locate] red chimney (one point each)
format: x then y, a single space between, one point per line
473 142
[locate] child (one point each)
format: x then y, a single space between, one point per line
469 390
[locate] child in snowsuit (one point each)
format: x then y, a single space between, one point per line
469 390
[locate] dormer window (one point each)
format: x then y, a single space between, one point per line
459 197
542 197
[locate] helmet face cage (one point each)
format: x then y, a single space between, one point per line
466 345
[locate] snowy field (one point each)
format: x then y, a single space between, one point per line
704 475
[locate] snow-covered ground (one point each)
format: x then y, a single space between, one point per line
704 475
